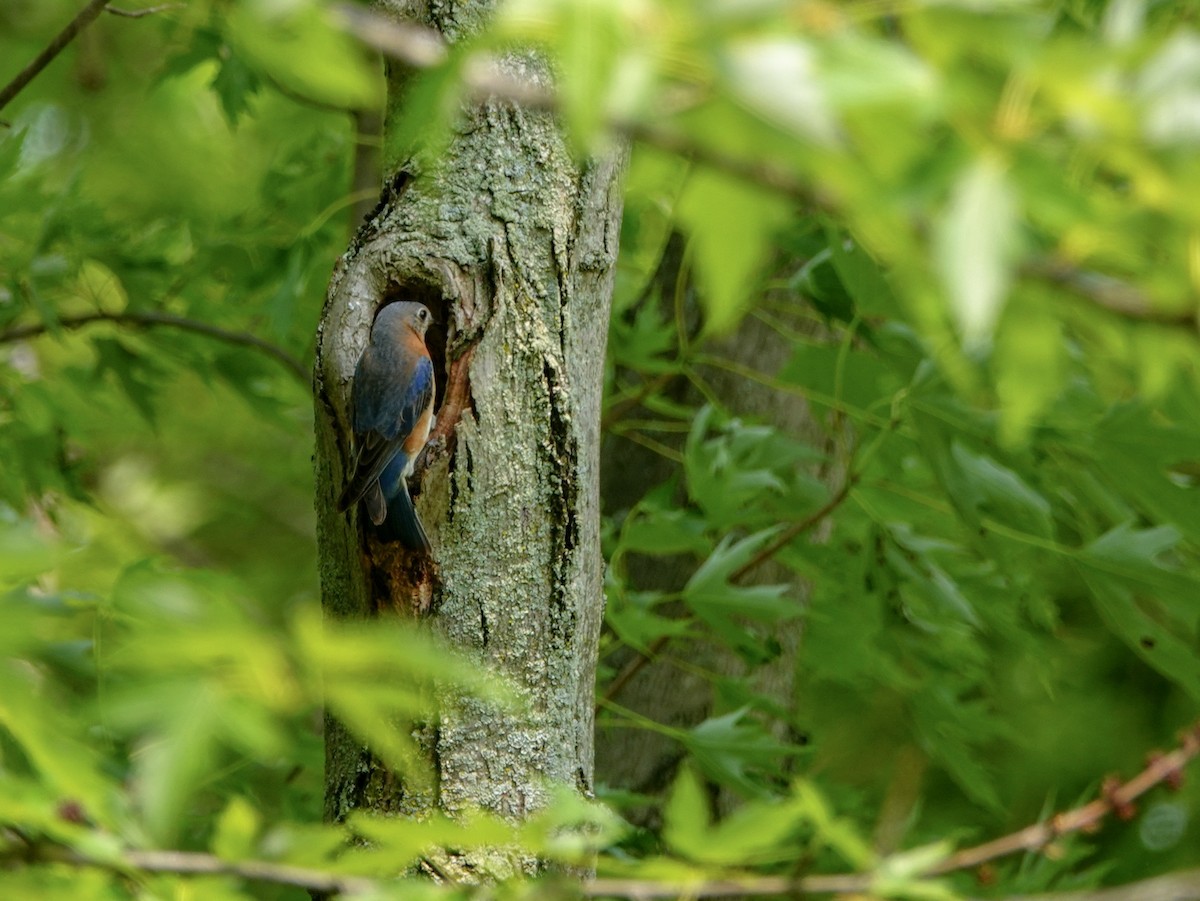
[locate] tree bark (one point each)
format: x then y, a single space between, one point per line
512 246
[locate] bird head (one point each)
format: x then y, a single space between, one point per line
396 317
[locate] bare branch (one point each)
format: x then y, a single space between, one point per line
1108 293
424 48
1116 798
86 17
186 863
140 13
243 339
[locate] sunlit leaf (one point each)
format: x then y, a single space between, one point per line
729 222
975 241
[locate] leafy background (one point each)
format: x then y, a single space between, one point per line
969 231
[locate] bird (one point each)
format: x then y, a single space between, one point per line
391 406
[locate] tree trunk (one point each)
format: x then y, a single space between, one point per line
512 247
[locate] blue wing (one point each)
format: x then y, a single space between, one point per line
388 401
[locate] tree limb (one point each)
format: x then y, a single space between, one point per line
242 339
86 17
141 13
1116 798
424 48
187 863
1107 293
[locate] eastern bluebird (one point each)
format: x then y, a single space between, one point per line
391 403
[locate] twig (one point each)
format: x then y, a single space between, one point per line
1115 797
1108 293
243 339
424 48
633 667
638 663
86 16
140 13
795 530
748 888
187 863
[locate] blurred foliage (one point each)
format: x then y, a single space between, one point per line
971 224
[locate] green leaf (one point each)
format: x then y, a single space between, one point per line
862 276
640 627
235 84
1029 363
722 605
299 45
729 222
901 875
397 843
686 815
12 141
662 532
1147 600
588 47
776 77
737 751
975 242
749 474
237 830
989 490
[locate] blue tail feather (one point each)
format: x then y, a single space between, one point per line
402 523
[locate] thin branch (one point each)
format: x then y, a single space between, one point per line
1116 798
758 886
86 17
242 339
633 667
187 863
424 48
141 13
484 77
795 530
791 533
1108 293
